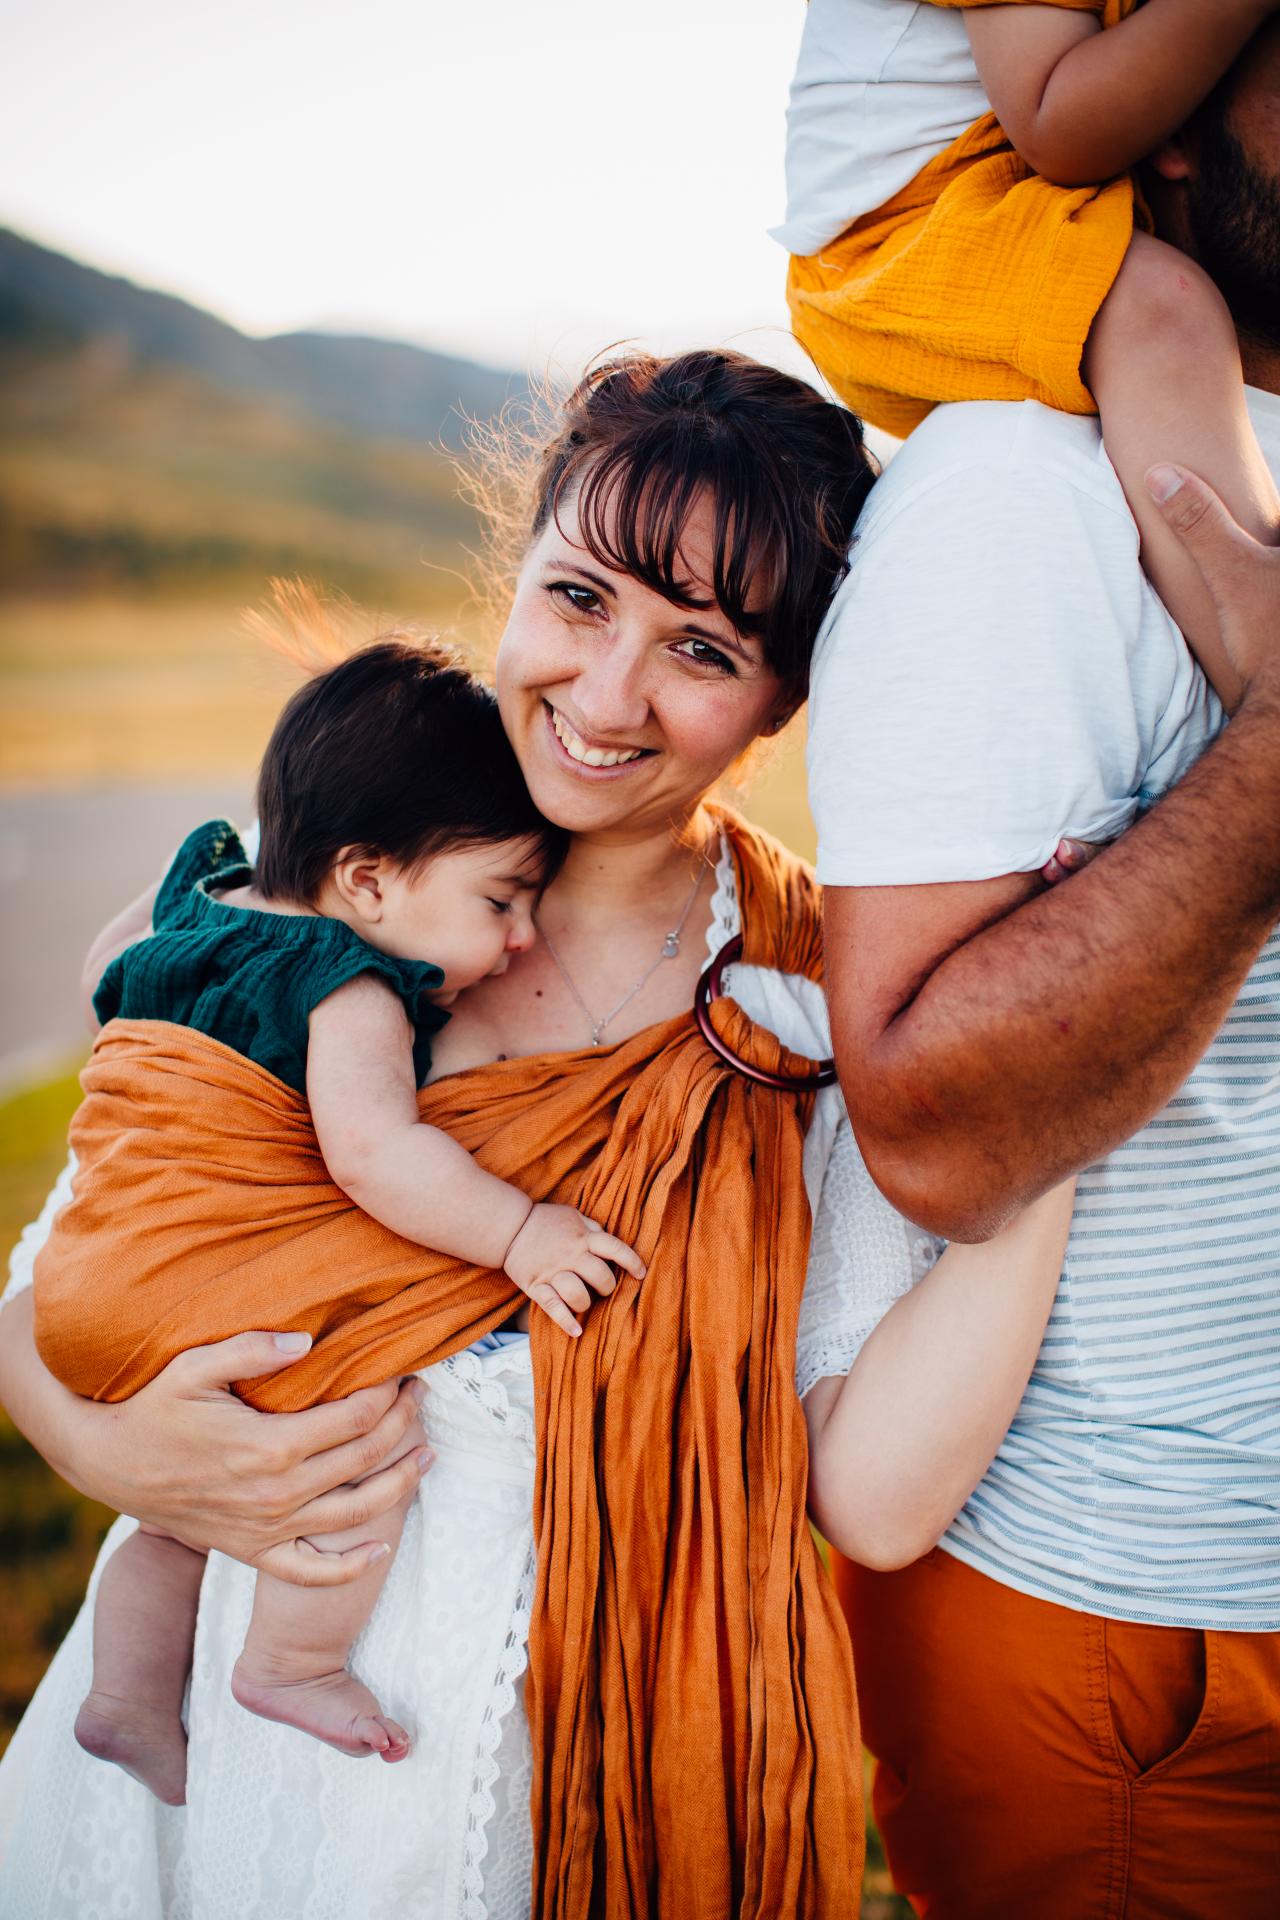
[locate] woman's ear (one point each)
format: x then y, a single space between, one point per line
359 878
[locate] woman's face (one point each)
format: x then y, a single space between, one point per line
624 708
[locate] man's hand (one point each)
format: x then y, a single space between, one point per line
1243 576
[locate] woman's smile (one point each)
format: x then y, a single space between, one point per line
584 753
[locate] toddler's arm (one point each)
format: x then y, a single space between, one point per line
1081 105
418 1181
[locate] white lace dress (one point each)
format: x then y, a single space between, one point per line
278 1826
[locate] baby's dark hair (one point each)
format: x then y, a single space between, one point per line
400 751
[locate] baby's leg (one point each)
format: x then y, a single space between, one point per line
294 1664
144 1624
1163 365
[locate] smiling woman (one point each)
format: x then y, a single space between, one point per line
676 574
687 1717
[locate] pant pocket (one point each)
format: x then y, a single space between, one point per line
1156 1685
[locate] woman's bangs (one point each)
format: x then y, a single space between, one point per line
634 505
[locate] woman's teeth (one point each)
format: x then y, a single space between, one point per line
577 749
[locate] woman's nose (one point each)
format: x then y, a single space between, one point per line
609 691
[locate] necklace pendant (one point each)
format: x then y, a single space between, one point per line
671 946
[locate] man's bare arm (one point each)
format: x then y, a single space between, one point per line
987 1053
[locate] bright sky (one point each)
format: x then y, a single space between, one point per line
516 180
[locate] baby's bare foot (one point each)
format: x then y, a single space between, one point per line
332 1706
147 1742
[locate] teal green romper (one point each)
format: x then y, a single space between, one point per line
246 978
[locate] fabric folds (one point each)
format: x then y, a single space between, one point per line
690 1688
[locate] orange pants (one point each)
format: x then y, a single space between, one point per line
1041 1764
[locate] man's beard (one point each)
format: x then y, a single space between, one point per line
1234 211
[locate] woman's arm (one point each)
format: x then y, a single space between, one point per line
1081 105
130 925
187 1456
897 1447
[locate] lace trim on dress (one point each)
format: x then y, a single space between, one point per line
480 1375
726 918
480 1802
863 1257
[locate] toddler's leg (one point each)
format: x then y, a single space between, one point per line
144 1624
1163 365
294 1664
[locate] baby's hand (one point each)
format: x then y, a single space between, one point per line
559 1253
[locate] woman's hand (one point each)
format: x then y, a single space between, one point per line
276 1478
187 1456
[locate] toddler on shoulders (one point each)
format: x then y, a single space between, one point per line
964 225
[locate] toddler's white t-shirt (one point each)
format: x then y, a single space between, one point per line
880 88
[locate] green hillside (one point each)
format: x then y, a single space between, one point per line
384 388
157 468
145 444
118 473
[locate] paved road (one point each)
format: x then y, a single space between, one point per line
68 861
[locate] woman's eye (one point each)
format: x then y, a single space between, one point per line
706 655
500 906
581 599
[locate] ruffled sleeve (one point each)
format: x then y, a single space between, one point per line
337 960
213 853
863 1256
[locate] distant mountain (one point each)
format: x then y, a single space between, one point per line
146 444
381 387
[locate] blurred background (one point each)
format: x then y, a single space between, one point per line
258 265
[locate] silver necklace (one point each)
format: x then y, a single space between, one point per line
669 951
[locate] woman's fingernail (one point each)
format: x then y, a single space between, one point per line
292 1342
418 1392
422 1458
1163 482
379 1553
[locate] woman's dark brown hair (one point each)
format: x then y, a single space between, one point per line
641 440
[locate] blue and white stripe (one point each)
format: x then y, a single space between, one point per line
1141 1476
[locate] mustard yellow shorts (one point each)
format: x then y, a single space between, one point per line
978 281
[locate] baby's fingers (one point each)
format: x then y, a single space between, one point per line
598 1274
548 1296
607 1247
